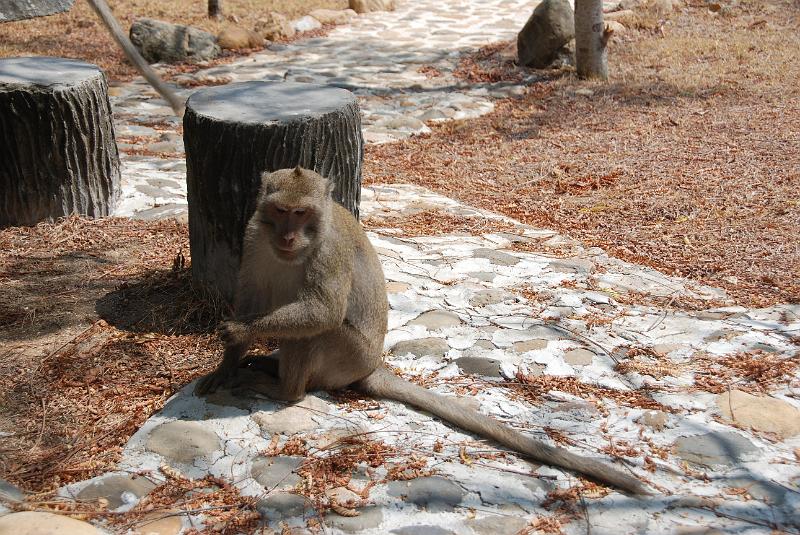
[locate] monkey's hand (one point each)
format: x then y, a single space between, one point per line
234 333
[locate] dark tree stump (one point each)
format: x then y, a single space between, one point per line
235 132
59 154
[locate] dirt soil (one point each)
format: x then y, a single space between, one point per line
79 34
688 161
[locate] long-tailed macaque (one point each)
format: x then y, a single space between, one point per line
310 278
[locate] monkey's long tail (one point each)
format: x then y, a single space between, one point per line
384 384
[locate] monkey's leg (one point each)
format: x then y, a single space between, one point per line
225 372
294 369
268 364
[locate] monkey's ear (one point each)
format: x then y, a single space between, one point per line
298 171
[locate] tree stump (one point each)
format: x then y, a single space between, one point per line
59 154
233 133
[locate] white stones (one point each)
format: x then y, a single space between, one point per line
113 487
435 494
437 319
297 418
182 442
761 413
36 523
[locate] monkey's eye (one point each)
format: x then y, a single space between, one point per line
299 211
281 210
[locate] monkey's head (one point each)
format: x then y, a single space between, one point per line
294 210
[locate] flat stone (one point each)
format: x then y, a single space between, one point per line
579 357
485 344
572 265
714 449
396 287
276 472
182 441
111 488
483 276
498 258
488 297
761 413
369 518
437 319
656 420
157 524
295 418
666 349
529 345
435 494
36 523
479 366
436 347
760 489
498 525
422 530
284 505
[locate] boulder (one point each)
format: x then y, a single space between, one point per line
550 27
368 6
762 413
160 41
333 16
236 37
274 26
41 523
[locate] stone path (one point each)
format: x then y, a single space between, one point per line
725 461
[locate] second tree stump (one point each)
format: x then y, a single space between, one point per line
233 133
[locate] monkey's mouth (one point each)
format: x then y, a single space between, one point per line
286 254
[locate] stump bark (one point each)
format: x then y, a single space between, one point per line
59 154
233 133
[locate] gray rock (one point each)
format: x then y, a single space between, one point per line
294 418
485 344
714 449
422 530
479 366
111 488
435 494
28 9
436 347
498 525
284 505
306 24
483 298
160 41
333 16
579 357
483 276
274 26
370 517
550 27
182 441
498 258
276 472
437 319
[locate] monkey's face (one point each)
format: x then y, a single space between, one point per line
292 229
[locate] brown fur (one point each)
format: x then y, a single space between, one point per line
326 304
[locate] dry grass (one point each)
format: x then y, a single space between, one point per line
438 223
79 34
99 325
687 161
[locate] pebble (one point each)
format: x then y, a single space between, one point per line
435 494
437 319
368 518
436 347
158 524
484 298
182 442
479 366
579 357
715 448
761 413
113 486
279 506
293 419
39 523
276 472
496 257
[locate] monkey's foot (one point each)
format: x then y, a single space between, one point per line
263 385
216 379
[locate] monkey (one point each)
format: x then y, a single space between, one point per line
310 278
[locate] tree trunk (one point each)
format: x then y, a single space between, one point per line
59 154
235 132
214 8
590 40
